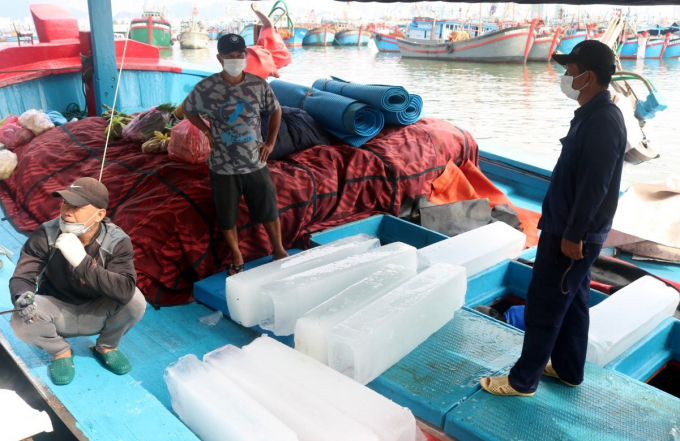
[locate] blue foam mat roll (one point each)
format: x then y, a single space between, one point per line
411 115
388 98
348 119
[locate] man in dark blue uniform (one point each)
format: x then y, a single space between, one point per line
578 211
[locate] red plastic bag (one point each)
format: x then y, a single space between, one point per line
12 134
188 144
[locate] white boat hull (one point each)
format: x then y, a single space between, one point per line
194 40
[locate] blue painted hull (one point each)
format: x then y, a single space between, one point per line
297 38
569 41
315 37
247 34
385 43
630 49
654 49
673 49
350 37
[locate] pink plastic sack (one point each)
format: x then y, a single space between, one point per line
188 144
12 134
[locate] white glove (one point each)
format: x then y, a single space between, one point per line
71 247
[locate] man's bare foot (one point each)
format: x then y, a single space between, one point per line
104 350
68 353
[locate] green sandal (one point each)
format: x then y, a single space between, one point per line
113 360
62 371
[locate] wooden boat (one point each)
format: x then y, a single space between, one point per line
673 48
152 28
319 36
352 37
386 38
510 45
544 46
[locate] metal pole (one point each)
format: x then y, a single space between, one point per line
103 52
361 31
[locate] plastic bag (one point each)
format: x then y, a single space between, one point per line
13 135
36 121
157 144
57 118
143 126
8 162
188 144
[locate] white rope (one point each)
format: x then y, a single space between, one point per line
115 98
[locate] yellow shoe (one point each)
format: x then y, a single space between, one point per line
501 386
550 372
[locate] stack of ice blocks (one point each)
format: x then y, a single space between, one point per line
236 394
621 320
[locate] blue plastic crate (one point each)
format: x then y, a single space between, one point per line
386 228
642 360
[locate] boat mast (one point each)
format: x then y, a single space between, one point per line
105 75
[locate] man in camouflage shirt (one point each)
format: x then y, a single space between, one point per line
232 100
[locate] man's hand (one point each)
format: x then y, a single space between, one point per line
26 306
211 140
265 150
71 247
573 250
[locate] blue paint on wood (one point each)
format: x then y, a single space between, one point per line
53 92
104 53
211 291
646 357
607 406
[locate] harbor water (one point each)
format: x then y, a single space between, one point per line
514 106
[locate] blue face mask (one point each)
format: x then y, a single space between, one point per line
76 228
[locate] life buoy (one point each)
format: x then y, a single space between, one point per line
449 48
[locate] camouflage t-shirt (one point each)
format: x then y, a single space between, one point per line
233 111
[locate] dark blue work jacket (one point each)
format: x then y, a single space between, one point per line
584 189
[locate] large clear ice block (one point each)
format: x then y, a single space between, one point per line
284 301
312 418
216 409
390 421
372 340
311 330
476 250
243 296
621 320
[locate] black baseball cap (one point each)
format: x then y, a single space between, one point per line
592 53
85 191
229 43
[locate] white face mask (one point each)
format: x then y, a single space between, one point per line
234 67
76 228
566 86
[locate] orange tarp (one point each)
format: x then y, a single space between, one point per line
467 182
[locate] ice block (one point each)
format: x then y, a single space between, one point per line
390 421
372 340
311 330
312 418
286 300
215 408
243 289
476 250
621 320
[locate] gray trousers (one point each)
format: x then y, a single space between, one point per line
57 320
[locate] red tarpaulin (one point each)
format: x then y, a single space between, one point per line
167 208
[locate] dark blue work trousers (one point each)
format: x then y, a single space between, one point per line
556 315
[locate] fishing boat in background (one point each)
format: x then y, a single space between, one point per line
644 46
544 46
673 48
352 36
572 37
193 34
322 35
152 28
509 45
385 38
247 33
